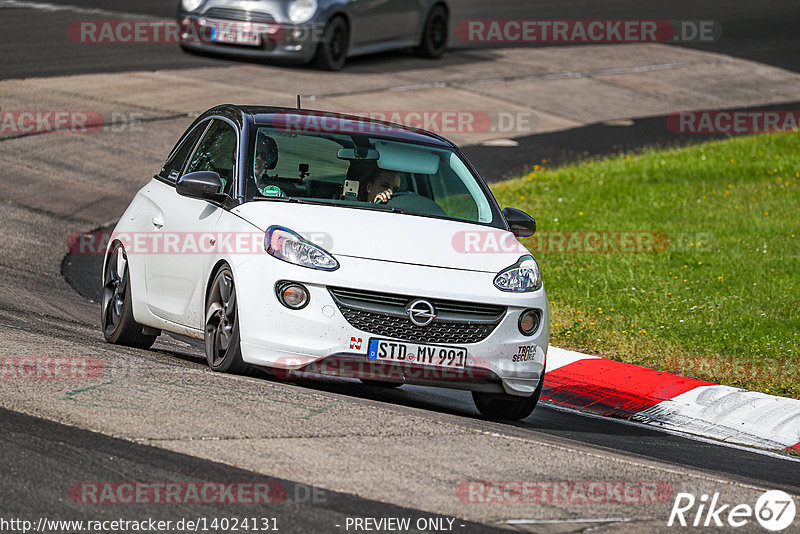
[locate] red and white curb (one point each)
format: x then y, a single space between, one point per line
616 389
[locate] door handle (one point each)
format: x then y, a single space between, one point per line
158 220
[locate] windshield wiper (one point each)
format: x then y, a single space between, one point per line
320 203
283 199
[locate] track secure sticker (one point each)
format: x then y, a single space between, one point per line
272 191
525 353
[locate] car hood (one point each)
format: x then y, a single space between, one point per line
388 236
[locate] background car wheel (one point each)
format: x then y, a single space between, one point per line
381 383
119 326
509 407
434 34
223 350
332 51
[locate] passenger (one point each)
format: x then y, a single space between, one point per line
266 158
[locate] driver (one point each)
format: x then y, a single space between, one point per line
381 185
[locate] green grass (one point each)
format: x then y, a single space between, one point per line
720 300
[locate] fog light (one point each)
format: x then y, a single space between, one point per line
529 322
293 296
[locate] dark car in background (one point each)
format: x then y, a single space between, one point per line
326 32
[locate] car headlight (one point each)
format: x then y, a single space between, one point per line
191 5
520 277
291 247
302 10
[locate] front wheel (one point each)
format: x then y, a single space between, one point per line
508 407
223 350
332 51
119 326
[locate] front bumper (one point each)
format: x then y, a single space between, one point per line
279 41
275 337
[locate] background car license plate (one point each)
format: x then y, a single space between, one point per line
236 33
398 351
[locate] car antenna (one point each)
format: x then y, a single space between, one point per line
298 102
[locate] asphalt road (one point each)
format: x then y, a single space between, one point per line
161 415
51 471
35 40
575 144
83 271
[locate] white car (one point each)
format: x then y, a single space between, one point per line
311 243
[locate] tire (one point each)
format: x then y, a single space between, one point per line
119 327
381 383
223 350
434 34
332 51
507 407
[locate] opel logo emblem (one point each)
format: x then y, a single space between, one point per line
421 312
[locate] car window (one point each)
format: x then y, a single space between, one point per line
357 170
291 162
217 152
177 158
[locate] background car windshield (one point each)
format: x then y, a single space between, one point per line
358 170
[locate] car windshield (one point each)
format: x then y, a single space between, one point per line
361 171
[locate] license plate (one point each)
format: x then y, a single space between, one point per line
399 351
234 33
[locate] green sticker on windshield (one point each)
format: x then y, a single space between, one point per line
272 191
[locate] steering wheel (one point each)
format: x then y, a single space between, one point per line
415 203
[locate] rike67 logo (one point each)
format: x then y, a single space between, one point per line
774 510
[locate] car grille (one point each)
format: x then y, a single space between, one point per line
384 314
225 13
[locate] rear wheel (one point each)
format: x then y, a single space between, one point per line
434 34
119 327
332 51
223 350
508 407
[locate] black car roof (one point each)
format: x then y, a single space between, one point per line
317 121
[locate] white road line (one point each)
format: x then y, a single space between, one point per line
523 78
557 521
44 6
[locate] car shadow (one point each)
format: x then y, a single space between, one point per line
548 418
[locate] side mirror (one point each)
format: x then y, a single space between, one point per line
204 185
521 224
